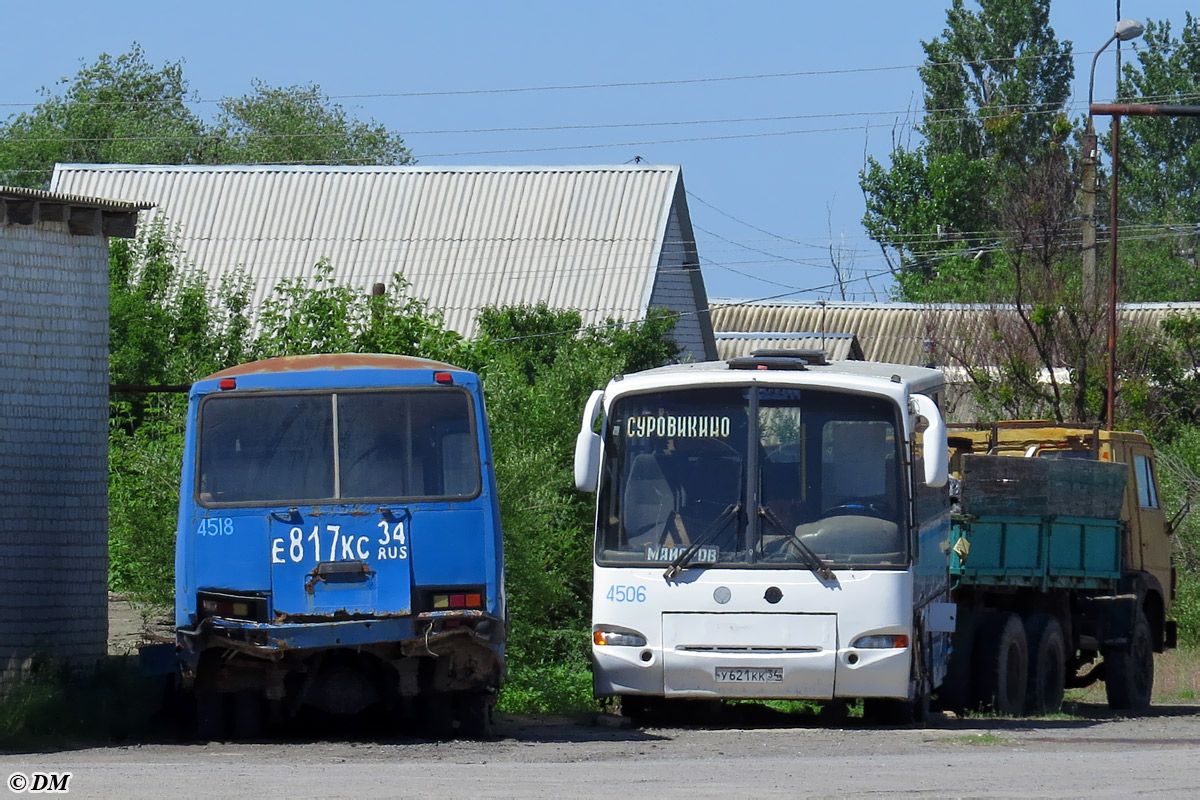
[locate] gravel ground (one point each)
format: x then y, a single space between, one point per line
745 751
544 757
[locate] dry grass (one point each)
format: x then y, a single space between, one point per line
1176 681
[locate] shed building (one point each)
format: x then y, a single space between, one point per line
54 423
937 335
609 241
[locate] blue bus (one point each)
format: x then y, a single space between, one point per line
339 546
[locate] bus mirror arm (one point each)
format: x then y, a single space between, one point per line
587 446
935 449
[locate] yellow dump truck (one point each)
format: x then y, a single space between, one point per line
1060 565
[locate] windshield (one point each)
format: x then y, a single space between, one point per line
755 476
282 448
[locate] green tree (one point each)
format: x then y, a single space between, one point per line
163 327
299 125
124 110
538 367
319 315
1160 156
164 330
1015 359
1160 168
995 83
118 110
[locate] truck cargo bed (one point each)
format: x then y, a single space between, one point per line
1039 552
1039 522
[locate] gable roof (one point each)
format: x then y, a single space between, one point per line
605 240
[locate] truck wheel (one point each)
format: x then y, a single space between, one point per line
1047 664
1129 671
1001 664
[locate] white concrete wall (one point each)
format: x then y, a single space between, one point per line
53 443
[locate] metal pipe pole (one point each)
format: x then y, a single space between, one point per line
1112 274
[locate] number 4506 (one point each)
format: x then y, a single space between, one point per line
627 594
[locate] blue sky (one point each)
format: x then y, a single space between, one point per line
771 163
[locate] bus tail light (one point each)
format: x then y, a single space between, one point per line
443 601
618 638
881 641
231 606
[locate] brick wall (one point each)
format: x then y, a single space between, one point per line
53 443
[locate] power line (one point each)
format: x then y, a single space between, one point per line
751 226
967 114
680 314
630 84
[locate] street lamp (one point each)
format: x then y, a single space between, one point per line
1124 30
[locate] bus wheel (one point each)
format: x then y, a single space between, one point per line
955 693
1047 664
474 714
639 708
1129 671
1001 664
210 715
436 713
248 713
895 711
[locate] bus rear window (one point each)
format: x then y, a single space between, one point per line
386 445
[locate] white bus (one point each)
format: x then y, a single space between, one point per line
770 527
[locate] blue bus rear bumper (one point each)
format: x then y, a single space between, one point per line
273 640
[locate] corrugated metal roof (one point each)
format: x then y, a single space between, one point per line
893 333
21 193
837 346
900 333
587 238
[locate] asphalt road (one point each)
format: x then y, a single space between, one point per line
767 756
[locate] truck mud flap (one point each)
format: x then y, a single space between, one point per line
1113 616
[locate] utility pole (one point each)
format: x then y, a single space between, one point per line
1116 111
1091 277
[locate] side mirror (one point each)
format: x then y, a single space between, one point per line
587 446
935 450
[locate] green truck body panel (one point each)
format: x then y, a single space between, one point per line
1038 552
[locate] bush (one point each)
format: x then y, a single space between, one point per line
143 496
52 705
1179 461
549 670
538 366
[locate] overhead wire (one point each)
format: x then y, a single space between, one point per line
1076 56
677 314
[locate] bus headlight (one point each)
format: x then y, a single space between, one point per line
619 638
881 641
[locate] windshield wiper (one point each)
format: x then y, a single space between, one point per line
716 526
811 560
